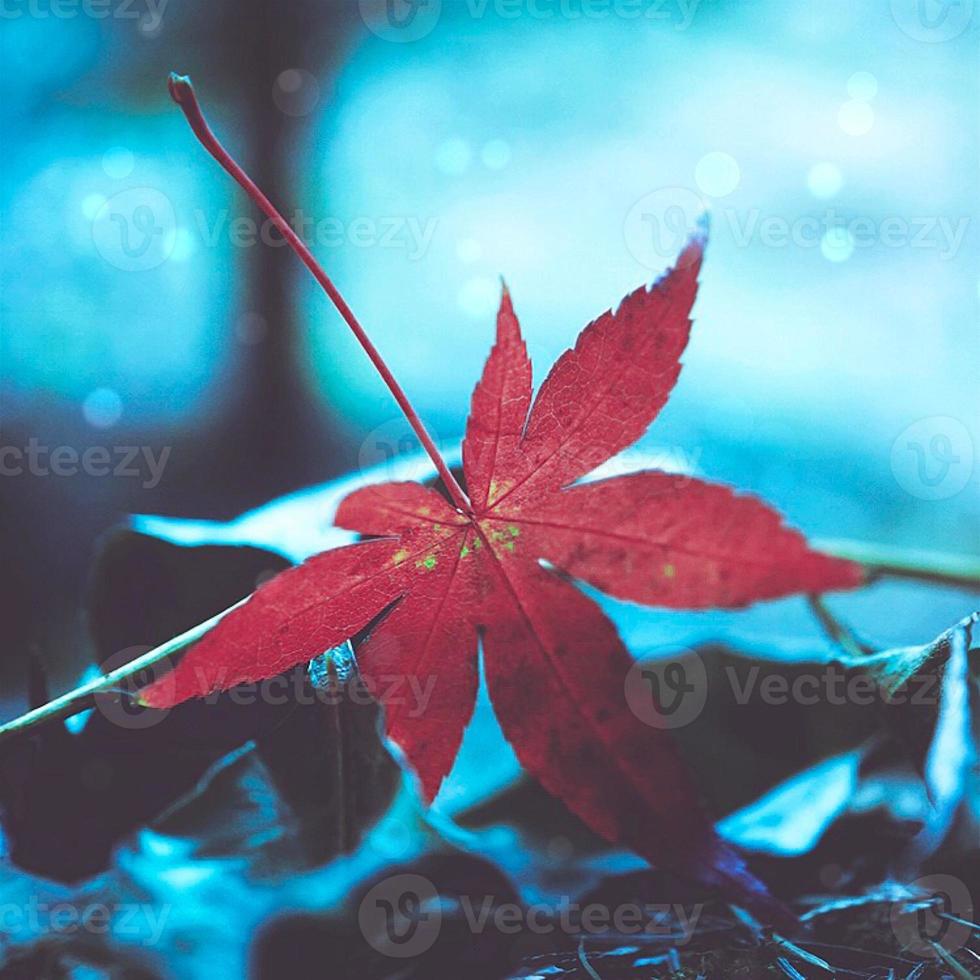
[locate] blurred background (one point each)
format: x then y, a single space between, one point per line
162 352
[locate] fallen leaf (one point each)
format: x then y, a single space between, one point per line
926 706
555 665
918 681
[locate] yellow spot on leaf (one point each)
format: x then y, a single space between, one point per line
399 556
428 562
498 489
669 571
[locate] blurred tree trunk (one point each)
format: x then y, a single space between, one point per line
276 436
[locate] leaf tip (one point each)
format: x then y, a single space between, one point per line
687 266
508 329
702 226
693 250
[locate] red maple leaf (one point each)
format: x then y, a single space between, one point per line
497 567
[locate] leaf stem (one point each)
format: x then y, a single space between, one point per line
923 566
957 570
842 636
182 92
81 698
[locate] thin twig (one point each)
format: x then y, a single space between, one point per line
963 922
843 636
81 698
584 960
959 970
788 968
182 92
923 566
